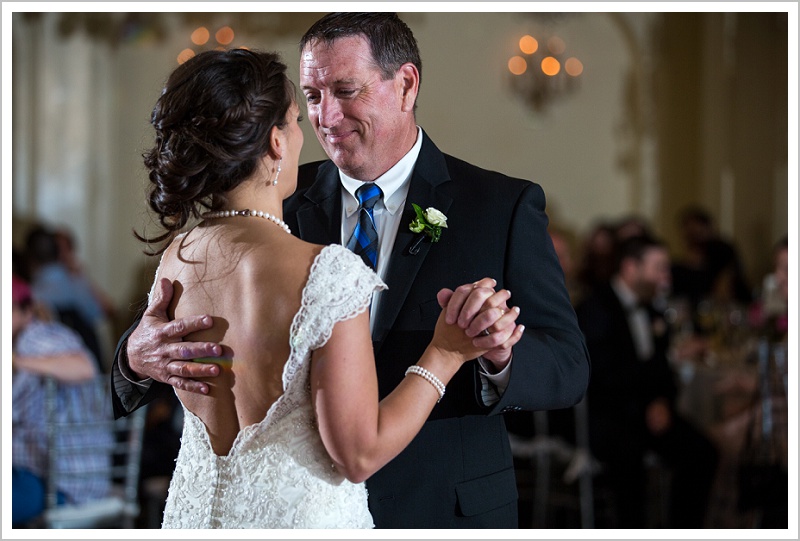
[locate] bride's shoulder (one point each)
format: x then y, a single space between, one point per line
171 255
339 269
339 287
336 259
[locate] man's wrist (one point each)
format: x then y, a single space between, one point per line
126 370
489 368
493 367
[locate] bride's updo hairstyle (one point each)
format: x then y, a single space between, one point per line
212 124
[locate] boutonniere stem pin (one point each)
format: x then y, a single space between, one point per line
428 222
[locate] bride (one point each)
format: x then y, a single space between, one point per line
292 427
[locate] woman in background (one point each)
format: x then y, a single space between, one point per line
42 350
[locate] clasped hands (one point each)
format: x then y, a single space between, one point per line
156 349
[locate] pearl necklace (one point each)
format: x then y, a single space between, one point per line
247 212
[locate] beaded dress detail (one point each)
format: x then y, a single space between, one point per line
278 474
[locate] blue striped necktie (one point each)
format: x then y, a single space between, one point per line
364 241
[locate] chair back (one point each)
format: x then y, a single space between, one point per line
575 461
101 458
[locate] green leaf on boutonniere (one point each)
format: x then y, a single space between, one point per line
429 221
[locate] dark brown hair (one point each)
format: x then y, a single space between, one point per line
636 247
212 124
390 40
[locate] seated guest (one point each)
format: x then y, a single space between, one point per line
711 268
631 395
44 350
563 246
596 259
69 297
68 257
769 312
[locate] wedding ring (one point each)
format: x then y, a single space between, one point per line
486 332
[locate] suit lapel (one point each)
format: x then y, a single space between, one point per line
319 221
429 173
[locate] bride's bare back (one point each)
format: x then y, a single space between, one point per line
249 276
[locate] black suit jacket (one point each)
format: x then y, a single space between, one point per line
458 472
622 385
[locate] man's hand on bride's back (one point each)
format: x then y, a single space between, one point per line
156 348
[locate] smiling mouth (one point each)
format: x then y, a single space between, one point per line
337 137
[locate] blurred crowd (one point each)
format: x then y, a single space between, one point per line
65 328
687 354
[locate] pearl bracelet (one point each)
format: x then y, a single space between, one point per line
428 376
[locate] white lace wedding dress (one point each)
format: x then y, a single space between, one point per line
277 473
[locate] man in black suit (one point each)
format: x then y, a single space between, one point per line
360 74
631 396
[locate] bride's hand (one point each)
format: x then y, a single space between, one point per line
475 319
474 306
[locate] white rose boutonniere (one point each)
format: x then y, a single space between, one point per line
430 221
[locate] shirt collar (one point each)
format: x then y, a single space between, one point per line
626 296
393 183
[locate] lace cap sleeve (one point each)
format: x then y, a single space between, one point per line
339 287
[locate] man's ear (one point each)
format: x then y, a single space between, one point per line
408 81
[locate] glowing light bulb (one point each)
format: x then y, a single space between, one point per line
556 45
550 66
224 35
573 66
517 65
528 44
200 36
185 55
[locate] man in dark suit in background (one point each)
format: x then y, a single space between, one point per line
360 74
631 396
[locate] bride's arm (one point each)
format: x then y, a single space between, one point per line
362 435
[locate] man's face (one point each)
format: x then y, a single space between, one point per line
655 277
362 122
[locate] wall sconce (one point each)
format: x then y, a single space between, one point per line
542 71
201 38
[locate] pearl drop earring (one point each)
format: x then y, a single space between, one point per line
277 172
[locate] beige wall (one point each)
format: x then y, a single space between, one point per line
618 144
721 94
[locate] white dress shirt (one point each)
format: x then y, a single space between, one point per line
638 320
387 213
